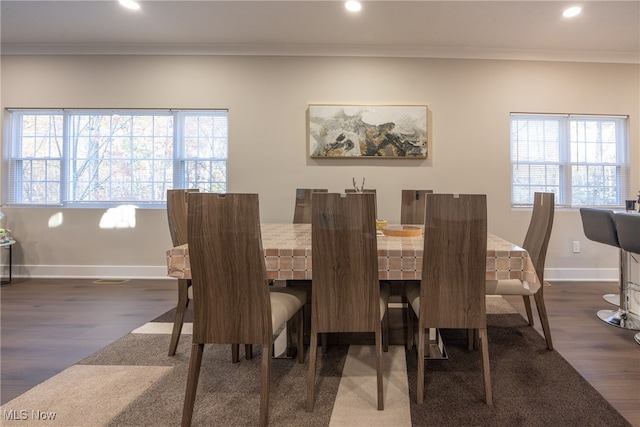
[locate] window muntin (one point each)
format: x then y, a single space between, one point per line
105 158
582 159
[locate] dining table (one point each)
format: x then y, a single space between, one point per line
287 250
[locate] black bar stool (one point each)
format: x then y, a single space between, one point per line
628 227
599 225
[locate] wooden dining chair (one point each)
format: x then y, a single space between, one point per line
454 262
177 208
346 294
177 217
365 190
302 210
232 300
536 242
302 215
413 206
412 211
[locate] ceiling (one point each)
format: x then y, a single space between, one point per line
606 31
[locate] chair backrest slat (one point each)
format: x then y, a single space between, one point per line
177 205
413 206
302 211
345 288
452 294
230 286
366 190
536 240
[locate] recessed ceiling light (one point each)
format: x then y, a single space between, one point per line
353 6
572 11
130 4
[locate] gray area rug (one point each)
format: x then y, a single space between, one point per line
228 393
531 386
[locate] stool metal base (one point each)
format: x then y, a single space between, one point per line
637 337
620 319
434 348
612 299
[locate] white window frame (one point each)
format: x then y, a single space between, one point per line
570 155
188 150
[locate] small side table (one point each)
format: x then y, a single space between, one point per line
8 245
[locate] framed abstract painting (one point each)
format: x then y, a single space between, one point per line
368 131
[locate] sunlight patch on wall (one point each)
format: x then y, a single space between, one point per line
55 220
123 216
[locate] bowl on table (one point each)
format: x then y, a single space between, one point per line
402 230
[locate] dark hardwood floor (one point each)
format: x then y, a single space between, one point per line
48 325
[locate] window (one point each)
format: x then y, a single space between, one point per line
105 158
584 160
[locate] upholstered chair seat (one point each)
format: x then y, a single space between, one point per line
511 287
285 302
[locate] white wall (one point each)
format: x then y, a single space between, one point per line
267 98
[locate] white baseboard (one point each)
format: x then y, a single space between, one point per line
91 271
160 272
581 274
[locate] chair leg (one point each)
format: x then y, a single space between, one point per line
235 353
405 310
470 339
486 371
248 351
379 345
292 325
542 312
311 377
385 331
473 339
410 322
300 330
405 305
420 379
181 307
192 383
527 307
265 383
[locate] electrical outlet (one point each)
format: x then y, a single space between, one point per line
576 247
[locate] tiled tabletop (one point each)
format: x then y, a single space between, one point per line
288 256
